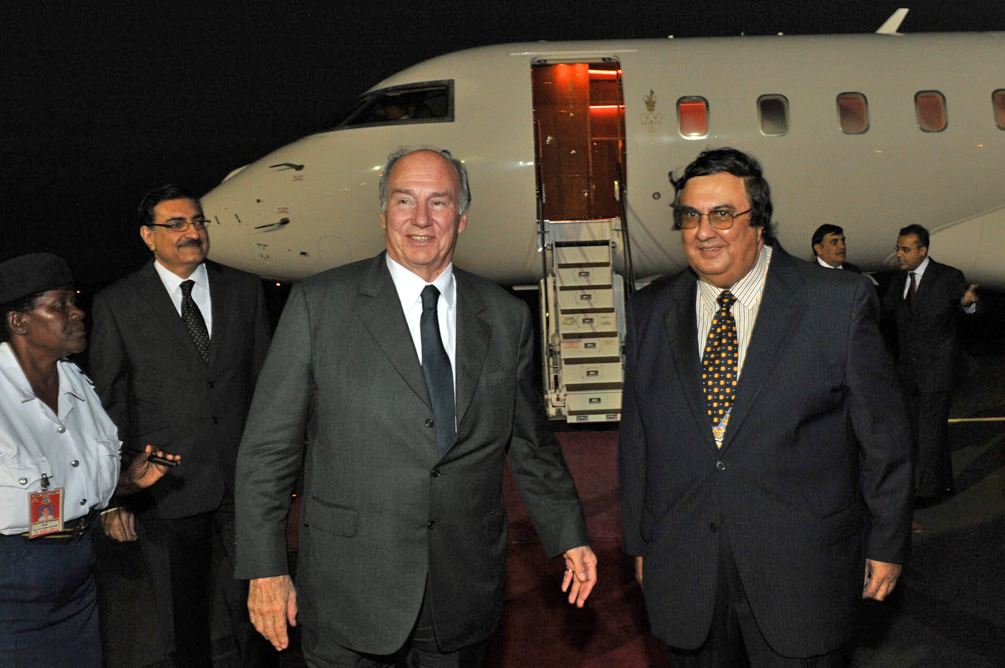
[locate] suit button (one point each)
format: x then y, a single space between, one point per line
711 527
210 384
431 524
435 473
430 423
216 420
721 466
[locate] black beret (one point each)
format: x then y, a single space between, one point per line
36 272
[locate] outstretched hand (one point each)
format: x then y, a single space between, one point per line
970 296
272 604
141 472
580 574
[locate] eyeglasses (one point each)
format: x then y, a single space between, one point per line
181 225
686 218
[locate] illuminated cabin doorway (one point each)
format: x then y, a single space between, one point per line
580 129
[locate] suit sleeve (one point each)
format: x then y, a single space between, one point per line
632 474
535 458
269 458
108 365
262 333
879 420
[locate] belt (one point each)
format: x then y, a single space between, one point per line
72 530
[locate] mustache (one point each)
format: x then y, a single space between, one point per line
190 242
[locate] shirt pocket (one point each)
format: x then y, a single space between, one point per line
107 467
19 477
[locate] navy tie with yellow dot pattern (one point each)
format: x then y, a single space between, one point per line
719 364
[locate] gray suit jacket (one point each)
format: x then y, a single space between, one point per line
383 513
813 476
156 388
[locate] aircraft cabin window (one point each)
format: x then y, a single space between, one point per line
998 97
430 102
692 117
853 113
930 106
773 112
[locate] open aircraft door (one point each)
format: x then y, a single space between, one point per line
580 153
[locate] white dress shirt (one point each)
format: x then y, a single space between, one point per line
200 291
918 273
76 449
409 287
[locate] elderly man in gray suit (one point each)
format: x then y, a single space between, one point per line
413 381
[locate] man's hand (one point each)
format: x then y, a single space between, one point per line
880 579
141 472
580 574
638 570
970 296
119 524
272 602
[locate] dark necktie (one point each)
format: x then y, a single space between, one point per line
436 370
192 316
719 364
911 290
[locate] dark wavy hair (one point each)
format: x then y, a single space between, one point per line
729 160
165 193
920 231
823 231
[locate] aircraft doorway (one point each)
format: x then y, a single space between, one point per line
579 117
580 152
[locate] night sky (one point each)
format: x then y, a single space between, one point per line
104 100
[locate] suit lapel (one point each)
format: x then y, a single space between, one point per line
473 337
380 312
165 316
681 329
777 318
222 304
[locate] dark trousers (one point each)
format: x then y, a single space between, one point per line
420 651
48 603
180 555
929 413
735 641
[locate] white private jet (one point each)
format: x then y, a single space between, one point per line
568 145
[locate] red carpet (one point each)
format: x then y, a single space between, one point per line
538 627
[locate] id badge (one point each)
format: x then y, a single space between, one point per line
46 513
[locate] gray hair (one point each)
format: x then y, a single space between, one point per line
464 197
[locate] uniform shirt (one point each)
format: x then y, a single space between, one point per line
78 449
748 291
200 291
409 287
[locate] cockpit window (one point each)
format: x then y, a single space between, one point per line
430 102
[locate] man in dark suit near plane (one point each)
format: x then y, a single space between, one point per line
176 348
414 381
829 248
752 378
926 298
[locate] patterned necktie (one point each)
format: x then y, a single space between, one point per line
192 316
911 290
719 364
436 370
